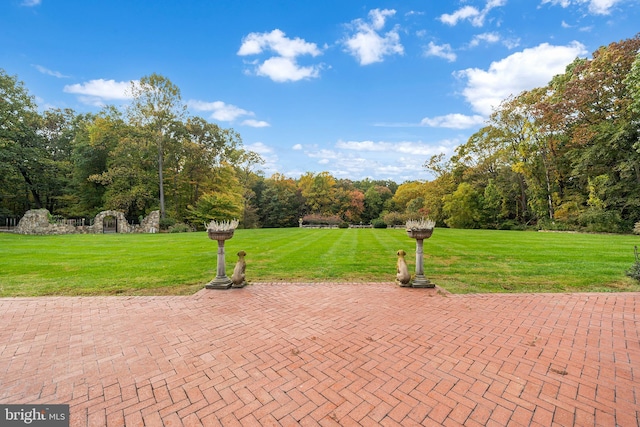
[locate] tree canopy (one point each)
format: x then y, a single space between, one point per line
562 156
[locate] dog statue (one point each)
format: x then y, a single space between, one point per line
403 277
238 272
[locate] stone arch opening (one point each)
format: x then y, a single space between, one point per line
109 224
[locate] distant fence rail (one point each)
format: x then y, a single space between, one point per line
75 222
335 226
7 224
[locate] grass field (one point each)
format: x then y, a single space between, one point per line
461 261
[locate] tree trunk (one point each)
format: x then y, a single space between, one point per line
36 196
161 178
549 189
523 196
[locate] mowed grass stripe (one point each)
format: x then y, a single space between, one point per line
343 254
98 264
296 248
459 260
494 261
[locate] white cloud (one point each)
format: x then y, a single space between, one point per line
283 69
260 148
453 121
49 72
278 42
297 147
224 112
267 153
31 3
485 37
105 89
596 7
324 154
283 66
466 12
344 164
449 121
378 17
255 123
219 110
601 7
404 147
399 161
470 13
95 92
495 3
363 145
511 43
227 113
367 45
532 67
442 51
563 3
491 38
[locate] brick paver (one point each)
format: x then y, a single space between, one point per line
327 354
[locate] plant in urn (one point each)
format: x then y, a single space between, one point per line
221 231
420 230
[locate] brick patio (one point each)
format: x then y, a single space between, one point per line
327 354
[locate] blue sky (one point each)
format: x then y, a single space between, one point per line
358 89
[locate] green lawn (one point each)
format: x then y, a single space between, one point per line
460 261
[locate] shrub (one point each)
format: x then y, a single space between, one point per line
166 223
511 224
634 271
379 223
317 219
549 225
343 225
598 220
55 219
180 227
395 218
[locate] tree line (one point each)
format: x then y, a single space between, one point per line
565 156
148 156
562 156
153 155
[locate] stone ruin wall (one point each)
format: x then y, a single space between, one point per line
36 221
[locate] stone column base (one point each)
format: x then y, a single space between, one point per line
422 282
219 283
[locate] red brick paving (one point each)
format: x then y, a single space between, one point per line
329 355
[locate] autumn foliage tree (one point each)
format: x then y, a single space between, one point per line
561 156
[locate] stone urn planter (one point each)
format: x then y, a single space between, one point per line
420 234
220 232
420 230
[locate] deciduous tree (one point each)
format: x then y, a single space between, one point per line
156 106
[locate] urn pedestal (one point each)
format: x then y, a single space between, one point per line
420 281
221 281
